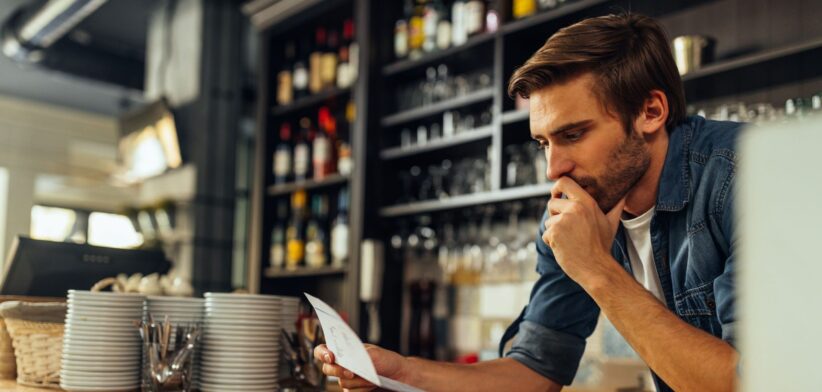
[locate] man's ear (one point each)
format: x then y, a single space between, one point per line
654 113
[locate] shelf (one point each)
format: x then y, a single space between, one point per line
752 59
405 65
523 192
547 16
303 272
513 116
417 113
284 189
462 138
309 101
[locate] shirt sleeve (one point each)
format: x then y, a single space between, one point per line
559 317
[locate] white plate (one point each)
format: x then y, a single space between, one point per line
123 375
104 294
80 308
106 354
175 300
100 331
205 387
83 386
244 358
240 381
241 306
234 355
218 365
95 359
247 347
98 365
247 297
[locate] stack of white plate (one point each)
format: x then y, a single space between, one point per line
181 312
101 344
241 343
291 312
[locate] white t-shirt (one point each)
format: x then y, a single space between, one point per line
641 253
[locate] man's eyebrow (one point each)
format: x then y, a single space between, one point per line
565 127
573 125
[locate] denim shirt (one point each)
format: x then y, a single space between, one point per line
692 234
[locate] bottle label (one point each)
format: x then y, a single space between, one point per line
328 69
277 256
285 94
315 82
300 79
315 254
301 159
322 156
295 253
282 162
339 244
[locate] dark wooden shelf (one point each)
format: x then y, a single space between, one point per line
513 116
417 113
309 101
502 195
752 59
303 272
546 16
284 189
462 138
405 65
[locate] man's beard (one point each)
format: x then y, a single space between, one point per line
628 163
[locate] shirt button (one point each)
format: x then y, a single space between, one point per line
711 304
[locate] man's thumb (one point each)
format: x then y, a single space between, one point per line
614 215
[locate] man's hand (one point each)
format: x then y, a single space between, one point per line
579 233
387 363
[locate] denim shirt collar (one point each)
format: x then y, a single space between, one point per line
674 184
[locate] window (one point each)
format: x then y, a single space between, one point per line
111 230
53 224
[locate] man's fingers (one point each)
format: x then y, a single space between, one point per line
337 371
322 353
615 214
568 187
558 206
358 384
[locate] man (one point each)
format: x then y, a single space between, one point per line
639 224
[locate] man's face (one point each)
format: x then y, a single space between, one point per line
583 141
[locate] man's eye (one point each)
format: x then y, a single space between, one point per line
541 145
573 136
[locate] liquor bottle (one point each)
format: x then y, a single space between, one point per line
524 8
339 232
322 157
416 30
443 28
431 18
343 65
285 84
492 18
458 33
300 74
328 68
345 163
315 80
302 151
282 155
474 17
315 234
295 233
278 242
400 39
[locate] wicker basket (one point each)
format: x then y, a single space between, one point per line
36 331
8 365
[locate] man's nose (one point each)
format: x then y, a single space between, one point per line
558 164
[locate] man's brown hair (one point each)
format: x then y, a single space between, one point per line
628 55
